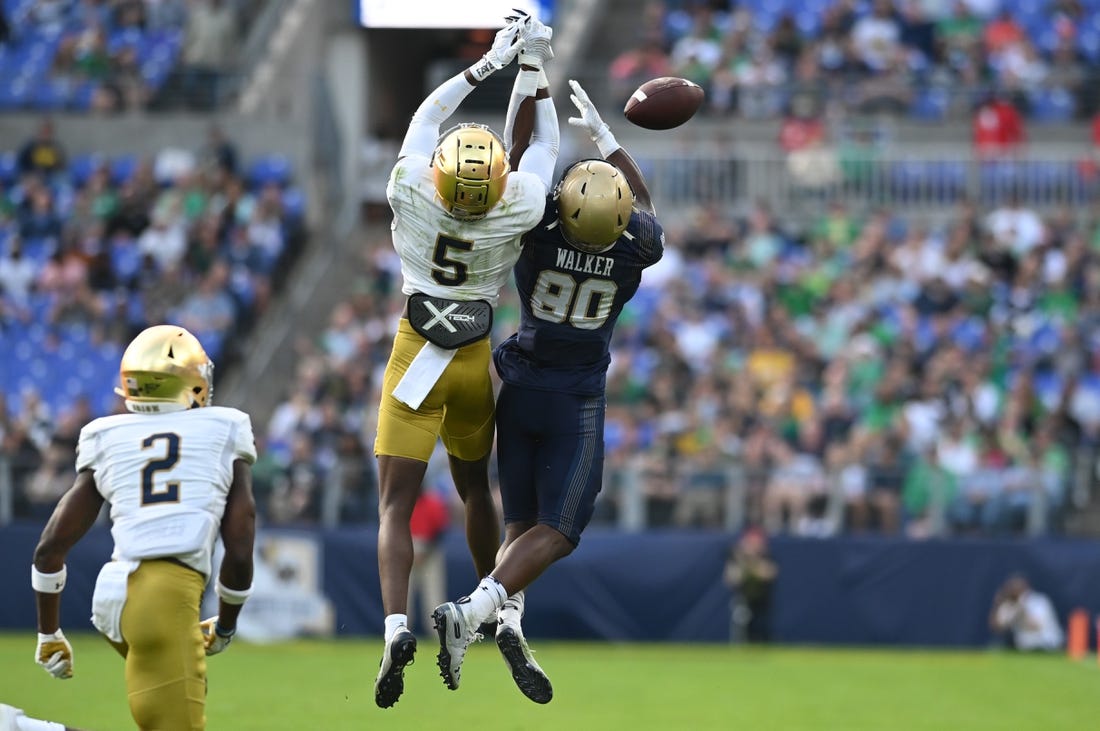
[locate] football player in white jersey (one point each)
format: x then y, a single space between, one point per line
459 215
175 476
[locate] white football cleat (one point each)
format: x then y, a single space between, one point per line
9 716
529 677
455 636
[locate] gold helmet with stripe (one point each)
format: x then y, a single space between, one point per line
594 204
165 369
470 169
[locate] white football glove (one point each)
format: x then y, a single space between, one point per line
55 654
501 53
214 638
590 119
535 37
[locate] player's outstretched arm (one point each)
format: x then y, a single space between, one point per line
539 156
531 84
609 147
423 133
234 584
71 519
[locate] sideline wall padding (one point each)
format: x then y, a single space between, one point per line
667 586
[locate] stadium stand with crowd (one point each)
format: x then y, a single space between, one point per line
93 250
873 368
927 59
111 56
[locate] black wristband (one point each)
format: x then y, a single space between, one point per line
224 633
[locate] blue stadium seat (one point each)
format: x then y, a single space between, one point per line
1052 106
270 169
63 198
53 95
125 258
16 95
212 343
9 167
120 39
808 22
294 203
122 168
930 105
1088 43
1048 386
81 167
970 334
83 95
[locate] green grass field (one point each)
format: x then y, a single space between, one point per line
328 686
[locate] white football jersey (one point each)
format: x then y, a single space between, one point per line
460 260
166 478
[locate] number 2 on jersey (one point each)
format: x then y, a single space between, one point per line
449 272
171 492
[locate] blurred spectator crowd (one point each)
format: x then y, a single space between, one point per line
862 374
930 59
92 250
110 56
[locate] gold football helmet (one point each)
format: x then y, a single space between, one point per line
594 204
470 169
165 369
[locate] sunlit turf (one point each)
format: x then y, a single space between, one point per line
329 685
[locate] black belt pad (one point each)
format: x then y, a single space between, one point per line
448 323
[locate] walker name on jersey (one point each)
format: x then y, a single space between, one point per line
585 263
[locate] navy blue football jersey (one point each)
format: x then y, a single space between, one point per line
570 301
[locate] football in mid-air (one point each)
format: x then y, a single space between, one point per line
664 103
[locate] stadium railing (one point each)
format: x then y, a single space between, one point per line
725 497
732 496
926 181
7 490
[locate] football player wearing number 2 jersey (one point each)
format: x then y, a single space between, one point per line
176 473
458 218
578 268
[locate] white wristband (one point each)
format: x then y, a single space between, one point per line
605 141
527 84
232 596
482 69
48 583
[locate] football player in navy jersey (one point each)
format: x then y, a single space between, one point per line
578 267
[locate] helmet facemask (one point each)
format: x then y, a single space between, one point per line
470 170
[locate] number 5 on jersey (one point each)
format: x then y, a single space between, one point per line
449 272
170 493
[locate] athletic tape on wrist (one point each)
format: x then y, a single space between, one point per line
48 583
544 83
232 596
605 141
482 69
527 84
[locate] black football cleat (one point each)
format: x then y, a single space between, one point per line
390 683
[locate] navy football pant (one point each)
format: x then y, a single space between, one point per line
550 457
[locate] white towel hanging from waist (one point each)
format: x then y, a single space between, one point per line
422 374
